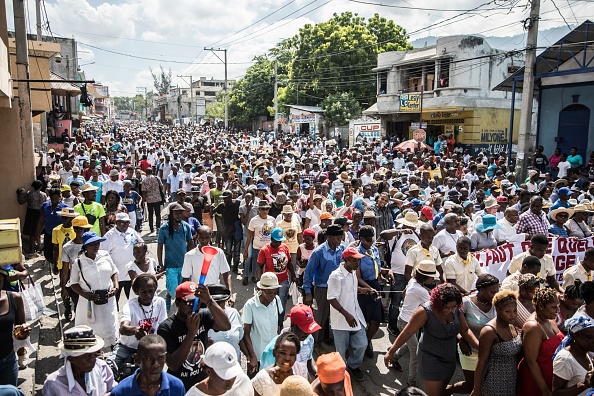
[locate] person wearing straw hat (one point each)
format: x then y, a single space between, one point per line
560 217
94 277
260 319
149 378
62 234
95 212
576 226
482 237
82 373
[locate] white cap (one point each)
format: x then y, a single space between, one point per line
122 217
222 358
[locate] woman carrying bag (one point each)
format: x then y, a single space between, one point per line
94 277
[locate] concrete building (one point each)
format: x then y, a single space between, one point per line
564 89
209 89
446 89
102 105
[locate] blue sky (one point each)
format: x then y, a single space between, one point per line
178 30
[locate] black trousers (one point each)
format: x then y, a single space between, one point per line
156 209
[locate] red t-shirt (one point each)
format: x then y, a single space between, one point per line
144 165
276 260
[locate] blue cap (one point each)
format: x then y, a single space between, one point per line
564 191
305 186
466 203
90 237
262 186
277 234
416 202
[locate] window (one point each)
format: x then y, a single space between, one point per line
444 73
382 82
210 93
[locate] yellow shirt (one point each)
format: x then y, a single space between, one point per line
60 236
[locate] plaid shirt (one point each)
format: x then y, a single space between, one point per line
532 224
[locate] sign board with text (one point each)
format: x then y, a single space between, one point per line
368 130
419 135
410 103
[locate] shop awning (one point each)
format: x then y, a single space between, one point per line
59 87
372 110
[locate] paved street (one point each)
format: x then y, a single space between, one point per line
46 335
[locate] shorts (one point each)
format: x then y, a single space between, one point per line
173 278
468 363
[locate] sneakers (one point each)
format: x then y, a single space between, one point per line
394 332
244 281
369 350
357 374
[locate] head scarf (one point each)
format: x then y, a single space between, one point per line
573 326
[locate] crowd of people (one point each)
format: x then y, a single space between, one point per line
339 240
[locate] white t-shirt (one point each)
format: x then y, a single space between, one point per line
314 216
415 296
241 387
186 179
156 313
131 266
192 267
261 228
398 260
446 242
565 366
563 166
70 252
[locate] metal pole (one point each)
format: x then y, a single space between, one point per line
191 100
226 96
24 91
275 98
38 19
526 137
511 122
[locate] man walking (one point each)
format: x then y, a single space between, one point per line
151 196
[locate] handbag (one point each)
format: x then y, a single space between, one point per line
32 300
102 293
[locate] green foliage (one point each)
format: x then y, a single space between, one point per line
122 103
339 108
216 109
161 80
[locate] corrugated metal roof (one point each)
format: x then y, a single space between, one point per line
58 86
311 109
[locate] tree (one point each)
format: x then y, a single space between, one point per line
122 103
161 81
339 108
216 109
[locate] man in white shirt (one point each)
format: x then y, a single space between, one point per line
194 259
581 271
446 239
346 318
462 268
507 232
114 183
563 167
119 242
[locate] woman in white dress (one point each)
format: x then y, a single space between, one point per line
268 381
94 277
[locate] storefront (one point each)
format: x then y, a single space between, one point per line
304 121
364 130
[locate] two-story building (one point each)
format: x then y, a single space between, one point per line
447 89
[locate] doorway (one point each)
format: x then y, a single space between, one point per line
574 123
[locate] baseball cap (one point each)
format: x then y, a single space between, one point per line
310 232
186 290
416 202
331 368
262 186
65 188
222 358
122 217
502 198
428 212
326 216
302 316
277 234
351 252
564 191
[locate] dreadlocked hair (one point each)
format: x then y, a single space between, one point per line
573 292
543 296
504 297
142 278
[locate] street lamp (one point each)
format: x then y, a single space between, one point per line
78 68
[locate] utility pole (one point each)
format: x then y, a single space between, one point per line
38 20
214 51
526 139
24 91
275 98
191 98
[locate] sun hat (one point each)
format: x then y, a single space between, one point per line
176 207
344 177
287 209
277 234
331 368
222 358
334 230
318 196
413 187
302 316
219 292
351 252
186 290
427 268
80 340
114 172
342 220
489 223
81 222
410 219
88 187
263 204
90 237
572 202
581 208
555 212
428 212
293 193
561 182
268 281
295 385
68 212
491 202
369 214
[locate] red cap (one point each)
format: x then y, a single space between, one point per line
428 212
186 290
302 316
310 232
351 252
502 198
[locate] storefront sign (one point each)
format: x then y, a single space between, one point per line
303 118
367 130
487 149
410 103
494 136
566 252
416 125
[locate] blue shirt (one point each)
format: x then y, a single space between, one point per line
175 245
558 204
491 170
321 263
368 265
99 185
555 229
51 217
170 386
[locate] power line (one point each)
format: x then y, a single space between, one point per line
559 11
416 8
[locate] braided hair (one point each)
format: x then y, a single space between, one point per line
573 292
485 280
543 296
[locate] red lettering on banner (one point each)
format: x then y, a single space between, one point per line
488 258
525 245
564 262
562 246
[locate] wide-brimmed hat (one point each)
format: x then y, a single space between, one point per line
555 212
88 187
287 209
268 281
80 340
427 268
368 214
219 292
581 208
561 183
90 237
413 187
490 202
410 219
68 212
281 198
263 204
489 223
81 222
344 177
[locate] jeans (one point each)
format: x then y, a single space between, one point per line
357 340
249 265
9 370
283 293
173 197
232 250
410 345
122 353
155 208
395 299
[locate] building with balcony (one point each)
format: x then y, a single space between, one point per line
209 89
447 89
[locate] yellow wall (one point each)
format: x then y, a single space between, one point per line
39 54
